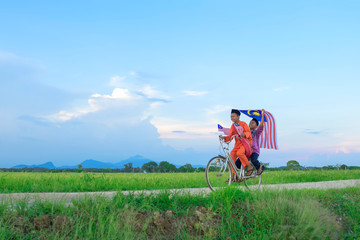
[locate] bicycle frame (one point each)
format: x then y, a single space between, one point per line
225 149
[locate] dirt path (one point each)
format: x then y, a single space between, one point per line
66 197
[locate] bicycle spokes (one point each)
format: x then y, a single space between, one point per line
218 173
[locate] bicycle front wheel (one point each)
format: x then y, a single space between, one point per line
218 173
253 182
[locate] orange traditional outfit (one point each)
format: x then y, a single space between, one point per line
239 150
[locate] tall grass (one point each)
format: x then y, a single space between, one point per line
80 182
227 214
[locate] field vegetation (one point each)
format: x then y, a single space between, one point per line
12 182
226 214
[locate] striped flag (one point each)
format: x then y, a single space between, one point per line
268 138
226 131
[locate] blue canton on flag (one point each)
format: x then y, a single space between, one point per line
254 114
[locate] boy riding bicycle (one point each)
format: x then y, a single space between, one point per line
241 143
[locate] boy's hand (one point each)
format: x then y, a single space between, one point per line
242 135
262 111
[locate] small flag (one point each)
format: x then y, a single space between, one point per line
226 131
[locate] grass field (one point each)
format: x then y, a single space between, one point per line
227 214
11 182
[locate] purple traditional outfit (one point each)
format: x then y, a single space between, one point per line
255 146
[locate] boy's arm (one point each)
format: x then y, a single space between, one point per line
261 126
228 138
262 118
247 132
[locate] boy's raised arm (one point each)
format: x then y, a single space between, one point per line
262 118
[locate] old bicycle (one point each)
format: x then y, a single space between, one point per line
219 174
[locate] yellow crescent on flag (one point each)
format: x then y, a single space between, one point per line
256 113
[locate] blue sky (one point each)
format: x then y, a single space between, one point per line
108 80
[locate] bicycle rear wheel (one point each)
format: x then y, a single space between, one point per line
218 173
253 182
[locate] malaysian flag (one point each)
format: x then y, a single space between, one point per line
268 138
226 131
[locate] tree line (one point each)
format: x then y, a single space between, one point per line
166 167
149 167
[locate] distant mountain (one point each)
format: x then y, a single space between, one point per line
48 165
96 164
90 163
137 161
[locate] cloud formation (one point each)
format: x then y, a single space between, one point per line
116 81
217 109
195 93
281 89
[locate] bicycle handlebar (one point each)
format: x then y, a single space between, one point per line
232 137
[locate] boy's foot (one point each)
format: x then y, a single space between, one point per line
235 179
260 170
238 180
249 171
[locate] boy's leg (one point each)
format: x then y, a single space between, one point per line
238 163
233 156
254 160
241 155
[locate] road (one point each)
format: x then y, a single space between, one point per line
67 197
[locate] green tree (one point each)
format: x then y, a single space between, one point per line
344 167
200 169
292 164
79 169
165 166
187 168
149 167
266 165
128 167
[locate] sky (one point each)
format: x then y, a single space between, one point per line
108 80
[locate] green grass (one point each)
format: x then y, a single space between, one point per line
227 214
81 182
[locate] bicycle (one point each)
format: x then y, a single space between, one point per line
216 171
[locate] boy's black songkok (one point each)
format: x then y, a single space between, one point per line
256 121
235 111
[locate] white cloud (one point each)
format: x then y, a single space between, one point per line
152 94
217 109
134 74
116 81
195 93
349 145
118 93
149 92
168 128
97 102
281 89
